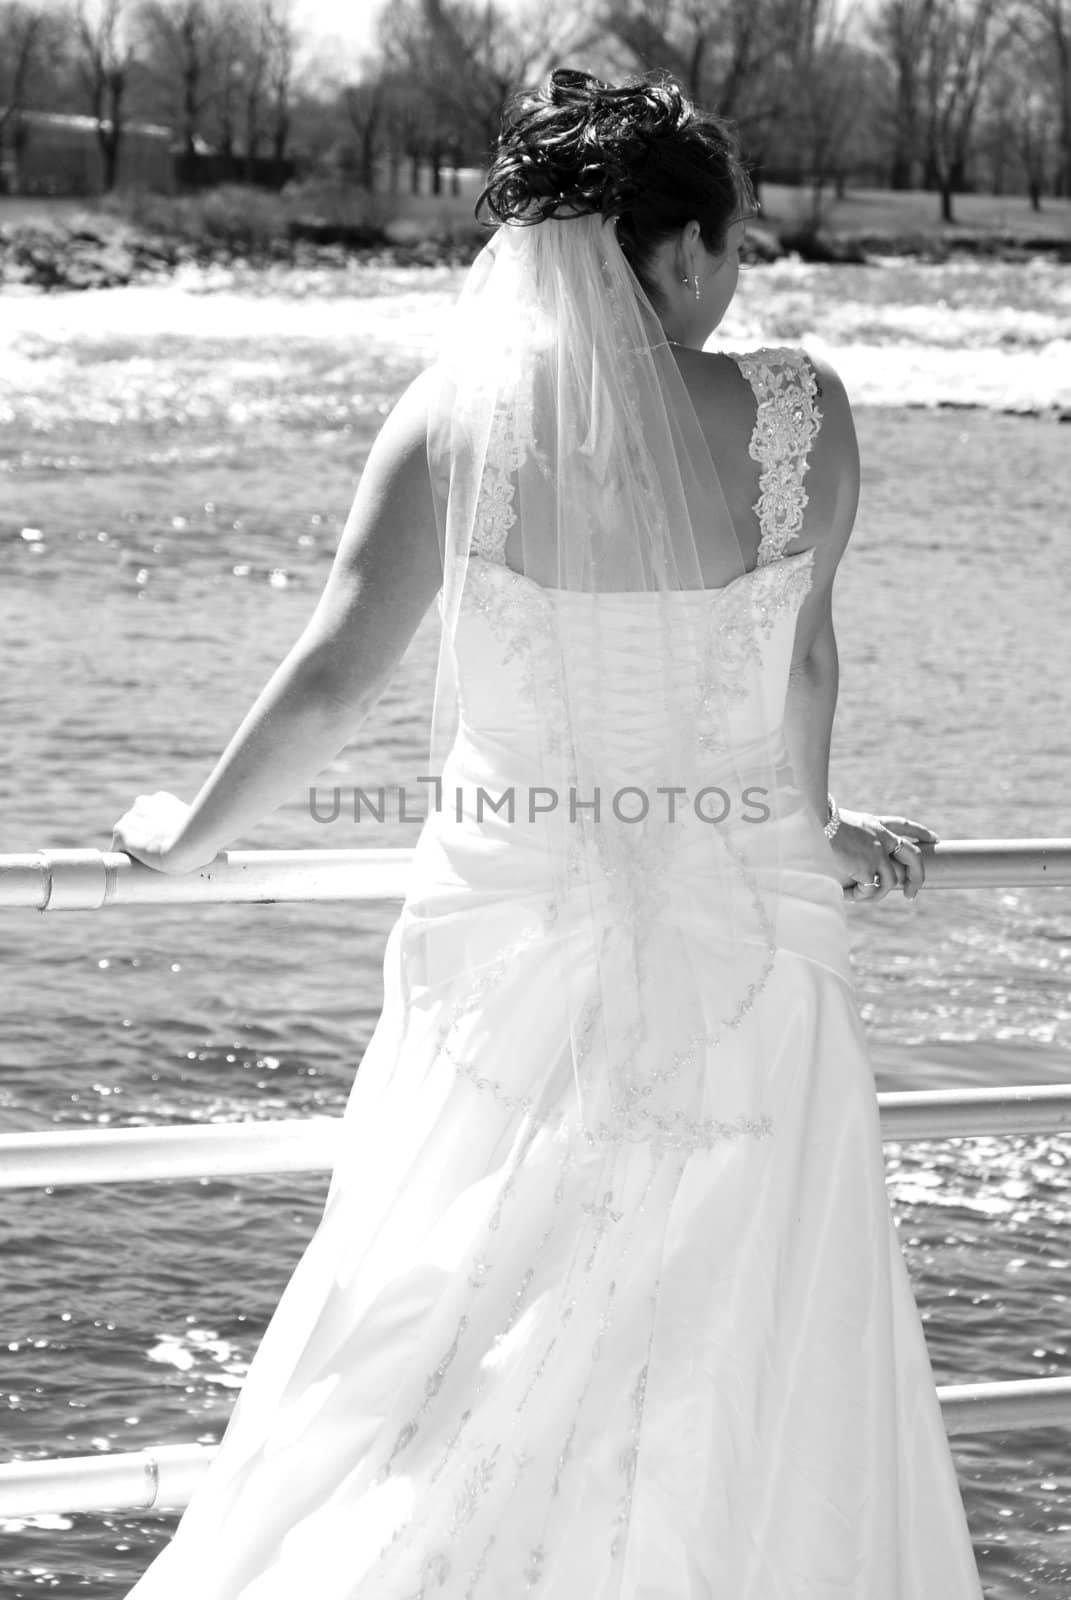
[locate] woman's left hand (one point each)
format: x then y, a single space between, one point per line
150 832
895 859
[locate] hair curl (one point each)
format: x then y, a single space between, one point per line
638 152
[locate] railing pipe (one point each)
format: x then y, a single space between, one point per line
994 1407
997 863
134 1155
165 1476
973 1113
225 1150
86 880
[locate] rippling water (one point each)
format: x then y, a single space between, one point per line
175 463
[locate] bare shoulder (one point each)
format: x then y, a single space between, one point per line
725 407
726 390
714 380
833 402
403 436
726 386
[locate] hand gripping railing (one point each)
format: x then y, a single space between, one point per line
58 880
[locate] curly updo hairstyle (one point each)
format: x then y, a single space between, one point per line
638 152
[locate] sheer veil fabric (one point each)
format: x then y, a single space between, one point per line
561 424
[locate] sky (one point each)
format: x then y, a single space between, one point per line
350 23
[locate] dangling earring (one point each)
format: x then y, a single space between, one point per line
695 281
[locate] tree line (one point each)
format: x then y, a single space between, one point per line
940 94
219 73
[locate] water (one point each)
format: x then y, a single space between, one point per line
175 463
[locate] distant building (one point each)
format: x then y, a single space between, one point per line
47 153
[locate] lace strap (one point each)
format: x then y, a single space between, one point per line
508 446
787 419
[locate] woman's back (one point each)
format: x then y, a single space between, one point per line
761 420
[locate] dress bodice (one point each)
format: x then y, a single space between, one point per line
507 623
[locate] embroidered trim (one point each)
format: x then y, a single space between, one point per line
508 445
786 423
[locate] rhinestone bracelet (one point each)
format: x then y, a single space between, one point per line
834 818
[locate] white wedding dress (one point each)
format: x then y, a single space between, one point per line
518 1361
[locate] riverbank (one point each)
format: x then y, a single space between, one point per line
65 245
98 248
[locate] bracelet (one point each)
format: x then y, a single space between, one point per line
834 818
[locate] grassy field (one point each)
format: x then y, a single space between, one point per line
915 211
918 211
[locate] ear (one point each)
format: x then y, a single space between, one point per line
690 243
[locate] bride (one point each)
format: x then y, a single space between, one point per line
606 1300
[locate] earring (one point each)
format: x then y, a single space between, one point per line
697 288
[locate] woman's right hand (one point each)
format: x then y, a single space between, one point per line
151 832
886 849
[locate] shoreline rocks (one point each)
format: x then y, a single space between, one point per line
85 254
103 251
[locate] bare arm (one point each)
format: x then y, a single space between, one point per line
863 842
809 710
833 495
386 573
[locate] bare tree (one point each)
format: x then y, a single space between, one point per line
464 60
830 75
181 40
900 30
961 37
740 56
1018 134
225 106
1053 19
253 25
106 59
1029 124
26 30
365 105
715 48
281 41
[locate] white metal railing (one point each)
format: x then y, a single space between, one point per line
165 1476
85 880
226 1150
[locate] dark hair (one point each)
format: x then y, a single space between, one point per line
639 152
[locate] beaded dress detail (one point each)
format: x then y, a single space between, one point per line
673 1354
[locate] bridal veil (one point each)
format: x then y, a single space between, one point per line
563 440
